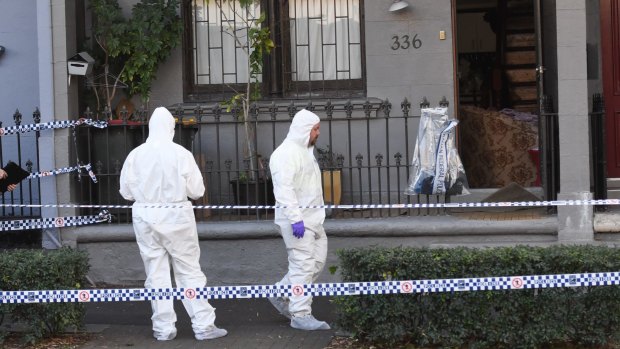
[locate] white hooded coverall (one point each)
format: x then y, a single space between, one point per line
297 182
161 172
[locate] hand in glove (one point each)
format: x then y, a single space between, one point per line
298 229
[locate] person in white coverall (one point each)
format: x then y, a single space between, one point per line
161 172
297 184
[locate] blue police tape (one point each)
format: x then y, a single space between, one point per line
346 207
54 222
46 223
322 289
51 125
62 170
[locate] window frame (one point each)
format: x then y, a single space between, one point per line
276 83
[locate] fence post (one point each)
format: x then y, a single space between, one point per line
548 134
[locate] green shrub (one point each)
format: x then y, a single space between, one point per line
43 270
587 316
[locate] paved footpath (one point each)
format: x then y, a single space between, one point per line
251 324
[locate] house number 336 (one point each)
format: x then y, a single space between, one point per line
405 42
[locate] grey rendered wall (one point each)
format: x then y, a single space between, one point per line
575 223
65 107
409 73
168 87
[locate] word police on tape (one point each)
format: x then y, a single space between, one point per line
323 289
55 222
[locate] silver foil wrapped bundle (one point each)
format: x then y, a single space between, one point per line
436 166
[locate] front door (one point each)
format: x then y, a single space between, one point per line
610 48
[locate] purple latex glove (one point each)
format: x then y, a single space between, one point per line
298 229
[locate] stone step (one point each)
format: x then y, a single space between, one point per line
526 107
613 193
613 188
520 24
524 93
613 183
521 75
520 57
521 40
520 4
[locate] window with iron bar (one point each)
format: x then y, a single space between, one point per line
319 48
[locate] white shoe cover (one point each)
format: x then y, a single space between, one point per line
281 305
211 333
308 323
165 337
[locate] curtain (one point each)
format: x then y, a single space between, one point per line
325 39
218 58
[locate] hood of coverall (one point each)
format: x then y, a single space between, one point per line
302 125
161 126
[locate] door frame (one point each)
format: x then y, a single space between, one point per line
610 16
548 125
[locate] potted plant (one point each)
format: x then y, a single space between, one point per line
331 164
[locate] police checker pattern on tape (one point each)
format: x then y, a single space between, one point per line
348 207
45 223
321 289
51 125
58 171
54 222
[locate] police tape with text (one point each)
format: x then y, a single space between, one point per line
320 289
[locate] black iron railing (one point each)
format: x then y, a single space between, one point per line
550 160
550 149
365 155
597 149
23 149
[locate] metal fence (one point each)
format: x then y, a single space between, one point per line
550 159
364 150
23 149
548 134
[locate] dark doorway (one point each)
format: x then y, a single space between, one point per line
498 105
610 48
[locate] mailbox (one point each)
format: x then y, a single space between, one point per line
80 64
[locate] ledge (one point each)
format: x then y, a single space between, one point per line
368 227
607 222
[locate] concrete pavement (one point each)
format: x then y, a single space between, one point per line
251 323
